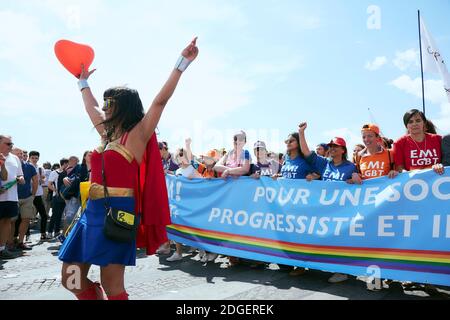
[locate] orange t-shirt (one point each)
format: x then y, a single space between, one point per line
207 173
376 165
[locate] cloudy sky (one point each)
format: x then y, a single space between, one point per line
264 66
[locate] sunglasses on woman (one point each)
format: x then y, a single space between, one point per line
107 104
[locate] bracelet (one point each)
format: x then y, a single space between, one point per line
83 84
182 63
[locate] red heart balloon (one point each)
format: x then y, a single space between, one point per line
72 55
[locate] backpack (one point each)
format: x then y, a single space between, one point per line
68 192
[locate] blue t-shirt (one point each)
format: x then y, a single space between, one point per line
269 169
296 168
329 171
29 171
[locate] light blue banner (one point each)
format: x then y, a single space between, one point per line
388 228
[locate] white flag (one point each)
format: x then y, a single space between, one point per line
432 60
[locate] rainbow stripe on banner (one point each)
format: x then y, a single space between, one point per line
395 229
437 262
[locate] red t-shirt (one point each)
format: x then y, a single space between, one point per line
414 155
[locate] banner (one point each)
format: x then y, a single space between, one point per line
387 228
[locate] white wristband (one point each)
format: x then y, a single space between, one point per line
83 84
182 64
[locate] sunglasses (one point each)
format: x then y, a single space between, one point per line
289 141
9 144
107 104
181 153
240 138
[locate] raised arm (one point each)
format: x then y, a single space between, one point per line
95 113
188 143
303 144
147 126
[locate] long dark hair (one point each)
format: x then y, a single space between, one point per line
127 111
83 162
296 137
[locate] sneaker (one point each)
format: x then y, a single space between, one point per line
338 277
201 255
211 257
163 250
192 250
23 246
370 286
297 272
175 257
45 237
6 254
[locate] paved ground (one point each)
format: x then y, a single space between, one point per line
35 276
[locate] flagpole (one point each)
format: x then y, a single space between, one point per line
421 64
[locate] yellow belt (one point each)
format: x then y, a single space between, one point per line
96 191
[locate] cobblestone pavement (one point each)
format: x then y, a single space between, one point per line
36 276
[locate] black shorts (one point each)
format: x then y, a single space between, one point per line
9 209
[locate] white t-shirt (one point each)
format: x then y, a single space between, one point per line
40 191
54 178
14 168
188 172
47 175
